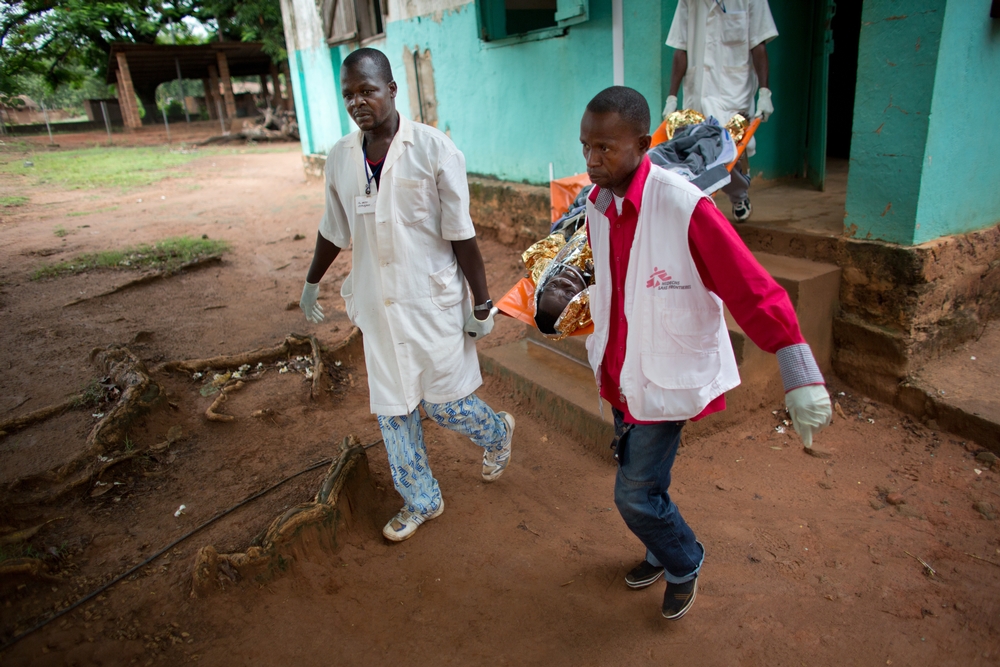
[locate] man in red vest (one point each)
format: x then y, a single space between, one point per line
665 261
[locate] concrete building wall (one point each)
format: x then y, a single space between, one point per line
515 107
958 185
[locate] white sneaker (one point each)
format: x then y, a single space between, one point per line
404 524
495 463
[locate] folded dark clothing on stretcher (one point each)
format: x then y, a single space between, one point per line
699 153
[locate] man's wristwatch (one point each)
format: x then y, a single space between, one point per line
488 306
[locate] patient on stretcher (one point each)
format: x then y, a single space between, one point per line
562 272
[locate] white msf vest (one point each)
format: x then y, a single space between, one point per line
678 356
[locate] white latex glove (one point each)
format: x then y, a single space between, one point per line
480 328
308 303
670 106
809 408
764 105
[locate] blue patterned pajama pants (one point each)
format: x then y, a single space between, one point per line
404 443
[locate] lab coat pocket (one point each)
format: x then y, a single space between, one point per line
411 199
735 29
685 351
446 286
347 292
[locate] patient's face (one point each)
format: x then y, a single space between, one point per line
560 289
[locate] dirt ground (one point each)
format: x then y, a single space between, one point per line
810 561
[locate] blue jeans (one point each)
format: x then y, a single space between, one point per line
645 455
403 436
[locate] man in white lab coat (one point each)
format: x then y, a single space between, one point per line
720 55
398 189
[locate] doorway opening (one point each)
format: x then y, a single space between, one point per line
846 28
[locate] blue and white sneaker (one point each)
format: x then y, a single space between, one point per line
494 463
404 524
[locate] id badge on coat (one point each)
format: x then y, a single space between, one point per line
364 204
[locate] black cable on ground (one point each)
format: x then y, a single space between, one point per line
101 589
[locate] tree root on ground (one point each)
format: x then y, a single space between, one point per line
298 532
105 446
347 350
18 423
211 413
32 567
151 277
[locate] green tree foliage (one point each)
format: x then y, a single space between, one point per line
248 21
66 42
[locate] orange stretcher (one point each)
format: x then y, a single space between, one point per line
519 301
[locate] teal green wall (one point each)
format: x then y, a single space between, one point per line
781 142
958 187
337 55
667 9
316 91
643 44
511 109
897 62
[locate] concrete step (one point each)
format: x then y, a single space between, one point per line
555 379
959 392
556 388
814 289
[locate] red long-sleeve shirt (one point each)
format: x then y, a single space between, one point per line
726 267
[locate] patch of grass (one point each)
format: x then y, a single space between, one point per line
13 200
92 395
12 551
60 231
101 167
164 255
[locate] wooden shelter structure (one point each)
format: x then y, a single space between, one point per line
137 69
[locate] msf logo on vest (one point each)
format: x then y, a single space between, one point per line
660 280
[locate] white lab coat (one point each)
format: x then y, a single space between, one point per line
720 80
406 291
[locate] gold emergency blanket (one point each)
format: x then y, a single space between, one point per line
737 125
546 258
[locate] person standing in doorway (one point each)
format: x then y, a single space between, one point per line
721 58
398 190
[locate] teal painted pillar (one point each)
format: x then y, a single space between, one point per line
924 153
958 183
314 85
897 64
